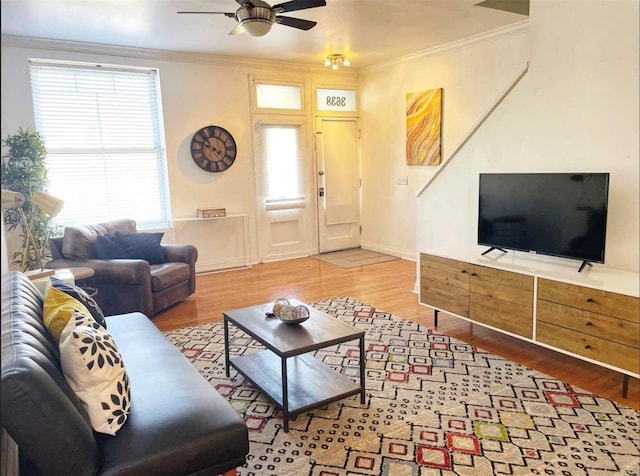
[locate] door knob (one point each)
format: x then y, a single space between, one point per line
321 172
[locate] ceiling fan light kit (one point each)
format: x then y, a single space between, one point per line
333 61
255 21
256 17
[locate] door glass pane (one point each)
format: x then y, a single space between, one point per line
279 149
282 153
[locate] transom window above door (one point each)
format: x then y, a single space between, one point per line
278 98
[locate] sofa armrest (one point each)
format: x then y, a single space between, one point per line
120 271
183 254
123 285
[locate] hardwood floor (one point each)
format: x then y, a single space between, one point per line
388 286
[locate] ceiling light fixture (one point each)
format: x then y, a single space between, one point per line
333 60
256 21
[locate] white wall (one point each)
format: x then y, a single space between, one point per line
575 110
196 91
472 74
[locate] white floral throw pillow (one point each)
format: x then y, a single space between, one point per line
93 367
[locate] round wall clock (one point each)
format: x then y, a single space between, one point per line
213 149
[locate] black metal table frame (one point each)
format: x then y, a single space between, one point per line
283 358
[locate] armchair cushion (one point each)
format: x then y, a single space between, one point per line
79 241
108 247
164 276
137 245
144 246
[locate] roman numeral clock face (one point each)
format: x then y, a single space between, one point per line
213 149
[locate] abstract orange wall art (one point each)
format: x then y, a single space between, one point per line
424 119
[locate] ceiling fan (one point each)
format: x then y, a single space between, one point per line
256 17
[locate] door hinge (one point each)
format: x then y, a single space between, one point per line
361 229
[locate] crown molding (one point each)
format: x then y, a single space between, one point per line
251 63
514 29
167 55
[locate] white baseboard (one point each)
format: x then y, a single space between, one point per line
221 265
387 250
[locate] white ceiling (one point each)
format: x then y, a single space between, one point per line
368 31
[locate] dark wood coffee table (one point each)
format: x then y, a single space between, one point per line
285 371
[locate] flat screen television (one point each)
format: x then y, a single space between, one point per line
556 214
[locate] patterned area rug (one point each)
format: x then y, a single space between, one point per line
435 406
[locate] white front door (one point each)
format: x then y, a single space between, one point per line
285 214
338 183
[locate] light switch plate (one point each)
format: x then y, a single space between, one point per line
402 180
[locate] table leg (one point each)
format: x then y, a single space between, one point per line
625 385
362 375
226 347
285 395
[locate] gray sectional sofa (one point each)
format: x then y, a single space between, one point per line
177 424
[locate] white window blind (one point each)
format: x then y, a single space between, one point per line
102 128
281 154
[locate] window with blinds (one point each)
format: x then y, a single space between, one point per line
280 149
102 127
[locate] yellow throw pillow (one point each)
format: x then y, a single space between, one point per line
58 309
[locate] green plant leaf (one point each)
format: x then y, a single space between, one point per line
24 170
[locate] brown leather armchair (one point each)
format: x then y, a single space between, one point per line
126 285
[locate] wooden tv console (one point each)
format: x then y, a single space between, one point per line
593 315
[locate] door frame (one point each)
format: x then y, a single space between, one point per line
337 84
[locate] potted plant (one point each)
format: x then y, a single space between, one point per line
24 170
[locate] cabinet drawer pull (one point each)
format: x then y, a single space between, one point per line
474 274
588 323
587 346
464 271
590 300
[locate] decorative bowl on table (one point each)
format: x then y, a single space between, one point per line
279 305
289 313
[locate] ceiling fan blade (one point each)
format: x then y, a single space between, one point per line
237 30
298 23
253 3
227 14
295 5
